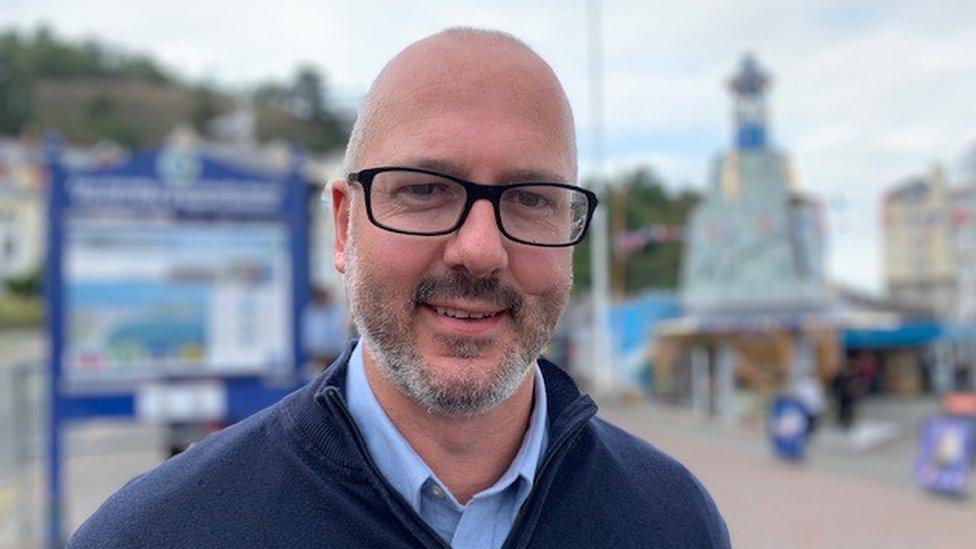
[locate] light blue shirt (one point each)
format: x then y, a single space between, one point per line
488 516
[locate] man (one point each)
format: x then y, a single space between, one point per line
441 426
324 332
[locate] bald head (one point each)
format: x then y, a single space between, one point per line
462 68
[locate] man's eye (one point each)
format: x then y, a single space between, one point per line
422 190
530 200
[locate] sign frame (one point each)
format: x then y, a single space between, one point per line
242 394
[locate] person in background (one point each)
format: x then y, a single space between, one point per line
809 391
325 329
848 387
962 376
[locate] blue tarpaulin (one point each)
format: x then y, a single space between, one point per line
906 335
632 321
959 332
632 325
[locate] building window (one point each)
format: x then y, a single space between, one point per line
9 247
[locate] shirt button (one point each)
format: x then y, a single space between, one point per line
436 491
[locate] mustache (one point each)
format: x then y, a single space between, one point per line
459 284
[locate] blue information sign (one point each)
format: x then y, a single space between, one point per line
175 282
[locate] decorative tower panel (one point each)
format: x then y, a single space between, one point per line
748 88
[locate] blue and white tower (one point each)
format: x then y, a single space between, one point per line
753 290
754 242
748 89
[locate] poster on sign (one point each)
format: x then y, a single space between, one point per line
945 454
175 298
171 265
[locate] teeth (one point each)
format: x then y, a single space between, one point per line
456 313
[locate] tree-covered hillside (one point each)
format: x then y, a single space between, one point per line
91 91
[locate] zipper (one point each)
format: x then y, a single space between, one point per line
549 464
404 511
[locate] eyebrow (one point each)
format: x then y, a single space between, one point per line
514 175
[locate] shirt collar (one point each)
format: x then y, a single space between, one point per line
400 464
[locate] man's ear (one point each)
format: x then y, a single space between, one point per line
340 214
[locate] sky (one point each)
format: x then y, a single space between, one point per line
864 94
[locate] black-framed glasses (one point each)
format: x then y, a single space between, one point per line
426 203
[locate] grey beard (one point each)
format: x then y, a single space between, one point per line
384 325
411 375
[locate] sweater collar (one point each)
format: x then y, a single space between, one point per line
313 416
406 471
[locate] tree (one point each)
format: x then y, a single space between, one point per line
16 83
106 123
646 202
142 68
308 94
270 94
204 107
28 285
309 101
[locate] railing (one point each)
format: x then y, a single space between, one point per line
21 423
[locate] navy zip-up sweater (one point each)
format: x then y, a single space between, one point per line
298 475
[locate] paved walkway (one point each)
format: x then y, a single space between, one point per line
841 497
17 346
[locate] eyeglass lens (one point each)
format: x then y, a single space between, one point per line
427 204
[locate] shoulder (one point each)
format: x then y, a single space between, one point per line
218 492
644 464
631 452
180 490
637 485
614 489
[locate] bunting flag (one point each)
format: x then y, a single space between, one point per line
961 214
630 241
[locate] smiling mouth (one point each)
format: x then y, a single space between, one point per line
462 314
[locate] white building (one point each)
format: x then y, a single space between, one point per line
21 211
962 213
920 257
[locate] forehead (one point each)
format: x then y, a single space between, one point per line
492 144
470 106
508 174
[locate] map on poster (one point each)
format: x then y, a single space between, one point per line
175 298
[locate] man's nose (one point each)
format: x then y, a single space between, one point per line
478 246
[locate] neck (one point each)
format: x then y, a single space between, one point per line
468 454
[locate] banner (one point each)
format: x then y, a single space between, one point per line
945 454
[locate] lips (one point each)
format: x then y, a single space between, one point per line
463 313
458 295
464 321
